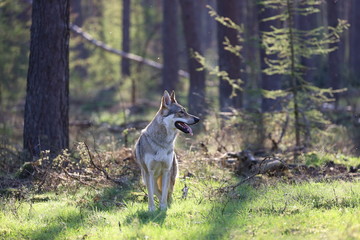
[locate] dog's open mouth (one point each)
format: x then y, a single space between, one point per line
183 127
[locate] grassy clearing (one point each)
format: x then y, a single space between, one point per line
304 211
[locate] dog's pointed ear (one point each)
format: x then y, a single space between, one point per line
172 96
165 100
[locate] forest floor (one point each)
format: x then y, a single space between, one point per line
94 192
306 203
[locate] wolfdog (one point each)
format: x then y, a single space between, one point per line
154 150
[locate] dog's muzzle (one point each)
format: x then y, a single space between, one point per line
184 127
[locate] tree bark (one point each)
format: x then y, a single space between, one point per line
46 119
191 25
170 45
228 61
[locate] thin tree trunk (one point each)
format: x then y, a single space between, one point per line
334 56
228 61
294 83
80 71
170 45
47 101
308 23
268 82
345 43
191 24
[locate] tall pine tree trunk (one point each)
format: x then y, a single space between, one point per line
228 61
209 26
354 41
251 66
170 45
46 119
191 25
125 63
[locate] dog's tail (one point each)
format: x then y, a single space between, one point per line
159 183
173 175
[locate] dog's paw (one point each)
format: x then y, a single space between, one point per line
163 206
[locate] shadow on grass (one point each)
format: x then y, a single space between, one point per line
248 208
145 217
224 216
56 226
84 215
115 197
221 219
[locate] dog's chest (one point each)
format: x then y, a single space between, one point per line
160 159
164 155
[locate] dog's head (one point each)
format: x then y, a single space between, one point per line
175 115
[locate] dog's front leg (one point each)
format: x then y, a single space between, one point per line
165 189
150 186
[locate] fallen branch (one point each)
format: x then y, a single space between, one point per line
229 188
77 178
76 29
100 168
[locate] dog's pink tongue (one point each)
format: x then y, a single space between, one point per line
189 129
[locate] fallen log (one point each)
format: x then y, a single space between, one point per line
245 163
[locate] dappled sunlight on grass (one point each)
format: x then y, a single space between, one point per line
308 210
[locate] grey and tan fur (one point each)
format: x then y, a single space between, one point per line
154 150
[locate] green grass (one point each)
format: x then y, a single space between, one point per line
321 158
303 211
